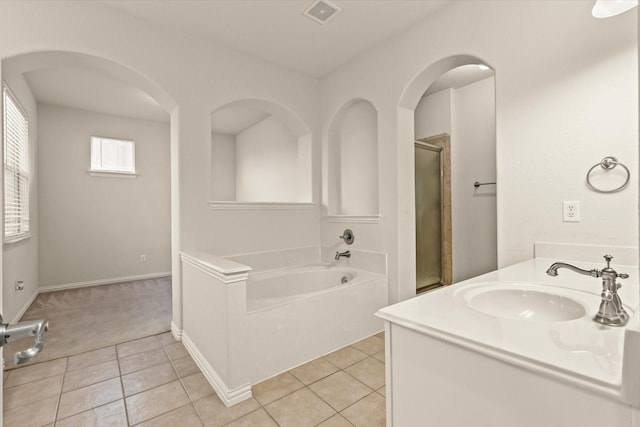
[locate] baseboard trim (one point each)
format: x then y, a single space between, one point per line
229 397
103 281
175 331
26 306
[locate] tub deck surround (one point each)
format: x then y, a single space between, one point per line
240 333
578 351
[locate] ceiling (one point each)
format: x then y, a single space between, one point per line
277 31
274 30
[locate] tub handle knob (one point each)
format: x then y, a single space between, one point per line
347 236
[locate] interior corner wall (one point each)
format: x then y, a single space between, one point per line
20 259
473 152
433 114
267 163
95 228
223 167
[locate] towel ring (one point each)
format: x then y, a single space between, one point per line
608 163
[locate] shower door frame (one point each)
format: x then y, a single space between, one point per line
442 144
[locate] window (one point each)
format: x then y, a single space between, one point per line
16 168
110 155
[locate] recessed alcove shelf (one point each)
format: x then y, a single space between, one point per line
261 158
352 164
232 205
362 219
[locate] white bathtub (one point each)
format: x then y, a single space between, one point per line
244 327
270 288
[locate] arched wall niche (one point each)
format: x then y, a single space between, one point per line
352 164
261 157
406 241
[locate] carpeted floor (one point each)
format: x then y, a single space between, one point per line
98 316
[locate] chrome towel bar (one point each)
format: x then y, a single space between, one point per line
478 184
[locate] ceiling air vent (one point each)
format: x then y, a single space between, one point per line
321 11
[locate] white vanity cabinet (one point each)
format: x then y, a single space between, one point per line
448 365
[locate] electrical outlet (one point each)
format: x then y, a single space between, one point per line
19 285
571 211
143 258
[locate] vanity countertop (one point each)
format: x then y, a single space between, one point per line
579 350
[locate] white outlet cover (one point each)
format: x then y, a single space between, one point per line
571 211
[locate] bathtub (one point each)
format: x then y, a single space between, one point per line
242 327
266 289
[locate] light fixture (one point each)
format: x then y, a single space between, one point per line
483 67
609 8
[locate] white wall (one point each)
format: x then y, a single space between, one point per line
433 114
223 167
473 158
190 78
21 258
564 100
94 227
267 163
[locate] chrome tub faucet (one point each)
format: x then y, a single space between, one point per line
345 254
611 312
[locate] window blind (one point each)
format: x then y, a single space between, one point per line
16 168
112 155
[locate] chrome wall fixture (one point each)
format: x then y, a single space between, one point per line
478 184
35 328
348 236
608 163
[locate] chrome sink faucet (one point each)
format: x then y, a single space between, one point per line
611 312
345 254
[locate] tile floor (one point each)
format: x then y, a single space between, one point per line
154 382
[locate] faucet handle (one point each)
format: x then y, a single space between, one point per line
608 258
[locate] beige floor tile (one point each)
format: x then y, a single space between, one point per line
369 412
380 356
91 375
89 397
370 345
369 371
336 421
185 366
91 358
111 414
176 351
345 357
139 361
157 401
34 391
138 346
214 414
380 335
340 390
37 413
167 338
197 386
146 379
383 391
299 409
257 418
185 416
313 371
35 372
276 387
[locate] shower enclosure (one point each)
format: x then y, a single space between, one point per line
433 212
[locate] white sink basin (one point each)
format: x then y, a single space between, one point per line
524 302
